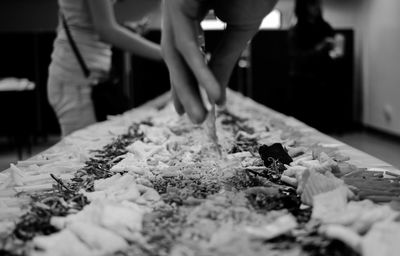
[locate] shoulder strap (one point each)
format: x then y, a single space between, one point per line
75 49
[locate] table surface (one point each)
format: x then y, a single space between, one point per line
100 134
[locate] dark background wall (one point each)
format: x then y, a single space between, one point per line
28 15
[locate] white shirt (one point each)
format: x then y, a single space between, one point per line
96 54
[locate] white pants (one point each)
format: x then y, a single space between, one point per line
71 101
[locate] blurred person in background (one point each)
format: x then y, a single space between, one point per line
313 47
94 29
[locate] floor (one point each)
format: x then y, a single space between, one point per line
381 146
384 147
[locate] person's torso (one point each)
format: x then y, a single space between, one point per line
96 54
308 61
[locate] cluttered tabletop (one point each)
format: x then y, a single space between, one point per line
149 182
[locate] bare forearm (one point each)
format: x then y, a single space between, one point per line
122 38
111 32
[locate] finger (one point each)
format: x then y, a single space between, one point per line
225 55
177 103
172 60
185 87
243 19
186 40
167 48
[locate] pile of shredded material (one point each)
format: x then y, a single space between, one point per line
161 188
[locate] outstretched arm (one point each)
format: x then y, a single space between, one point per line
111 32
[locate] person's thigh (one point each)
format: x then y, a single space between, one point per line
72 103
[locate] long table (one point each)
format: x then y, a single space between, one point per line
70 154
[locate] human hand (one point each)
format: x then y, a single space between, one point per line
182 53
338 47
326 45
330 42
